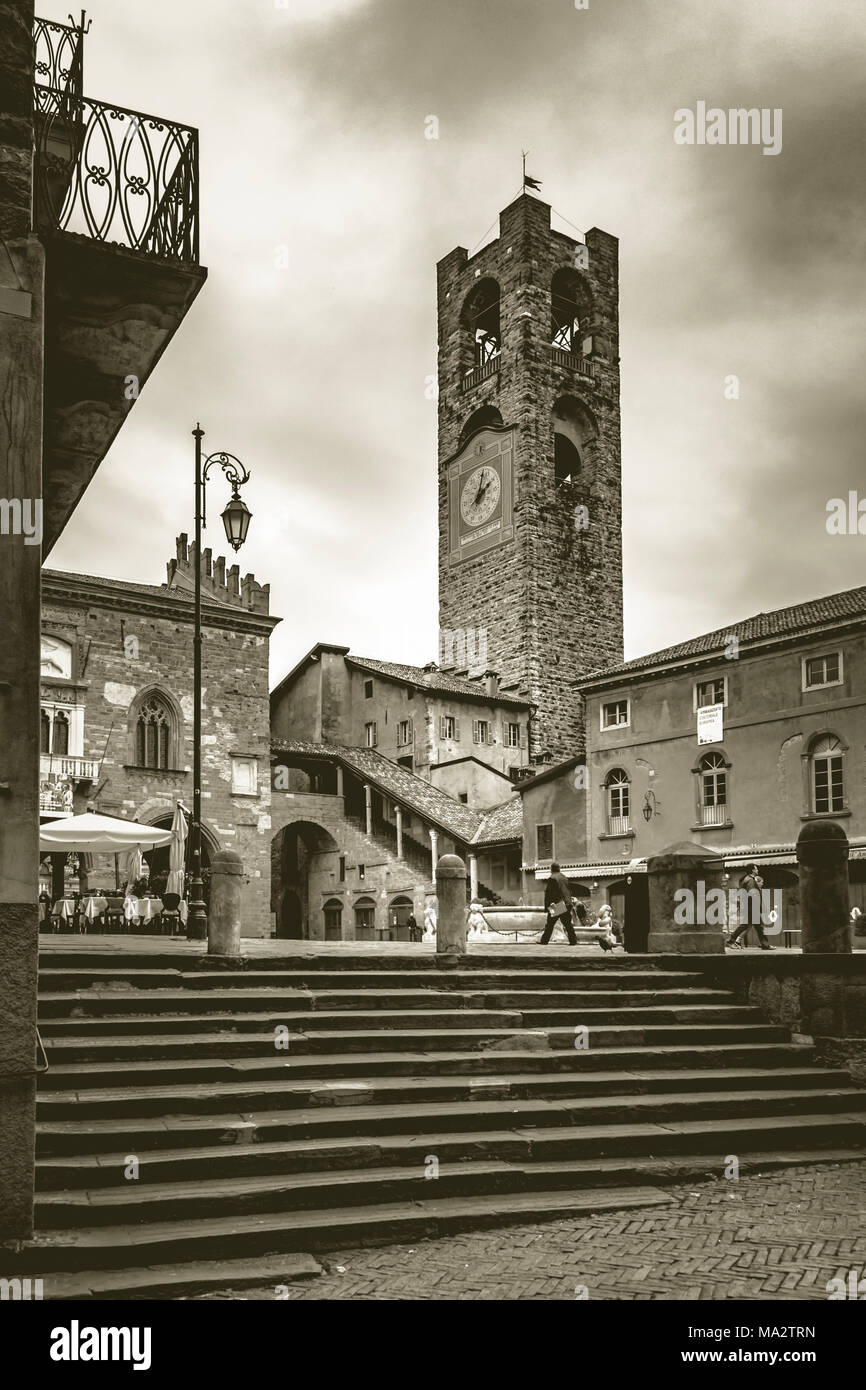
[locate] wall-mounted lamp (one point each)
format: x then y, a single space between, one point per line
650 807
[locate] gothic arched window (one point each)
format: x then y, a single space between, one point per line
827 779
153 732
45 732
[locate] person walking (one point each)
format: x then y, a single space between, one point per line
751 881
559 904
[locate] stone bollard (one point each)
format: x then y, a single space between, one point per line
451 921
679 879
822 854
224 913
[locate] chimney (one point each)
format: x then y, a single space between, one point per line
491 684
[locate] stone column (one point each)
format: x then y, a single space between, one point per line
434 852
822 854
368 807
473 877
398 812
451 921
224 913
339 780
681 878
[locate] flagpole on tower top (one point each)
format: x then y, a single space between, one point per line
528 180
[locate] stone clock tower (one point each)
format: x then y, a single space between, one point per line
530 544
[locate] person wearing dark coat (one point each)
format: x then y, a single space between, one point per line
559 904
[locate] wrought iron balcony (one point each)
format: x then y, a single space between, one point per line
103 171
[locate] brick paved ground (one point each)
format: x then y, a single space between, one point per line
781 1235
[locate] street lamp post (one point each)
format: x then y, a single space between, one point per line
236 519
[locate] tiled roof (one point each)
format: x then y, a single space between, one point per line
781 622
503 822
443 681
442 810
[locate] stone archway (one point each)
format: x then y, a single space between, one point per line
305 873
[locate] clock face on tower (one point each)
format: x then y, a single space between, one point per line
481 494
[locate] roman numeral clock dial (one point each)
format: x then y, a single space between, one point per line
480 495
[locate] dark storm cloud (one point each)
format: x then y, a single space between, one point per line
732 262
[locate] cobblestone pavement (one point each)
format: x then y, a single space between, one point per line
781 1235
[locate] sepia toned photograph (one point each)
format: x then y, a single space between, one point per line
432 664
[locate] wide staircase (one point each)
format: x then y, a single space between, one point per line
198 1123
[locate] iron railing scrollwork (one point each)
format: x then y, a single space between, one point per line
59 65
106 172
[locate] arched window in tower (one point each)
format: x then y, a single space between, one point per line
566 460
480 321
153 732
570 302
485 415
60 733
827 774
713 773
45 732
618 806
574 435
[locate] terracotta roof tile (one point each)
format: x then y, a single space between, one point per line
780 622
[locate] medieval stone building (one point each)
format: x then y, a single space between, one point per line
117 706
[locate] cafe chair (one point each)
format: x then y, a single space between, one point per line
171 914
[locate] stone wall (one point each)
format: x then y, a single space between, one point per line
550 599
131 640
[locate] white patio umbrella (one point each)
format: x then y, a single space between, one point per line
177 853
97 834
134 868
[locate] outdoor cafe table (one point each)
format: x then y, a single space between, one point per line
148 908
93 907
64 908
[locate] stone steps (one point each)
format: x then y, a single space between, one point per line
248 1151
270 1190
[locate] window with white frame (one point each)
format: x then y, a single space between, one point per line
714 789
481 731
513 735
448 727
618 805
404 732
371 737
615 714
711 692
827 775
822 670
544 842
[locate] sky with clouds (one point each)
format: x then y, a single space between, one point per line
312 128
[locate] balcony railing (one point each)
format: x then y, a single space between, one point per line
618 825
582 365
105 172
59 63
64 765
714 815
478 374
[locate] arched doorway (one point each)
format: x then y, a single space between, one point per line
306 886
399 912
290 916
157 860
